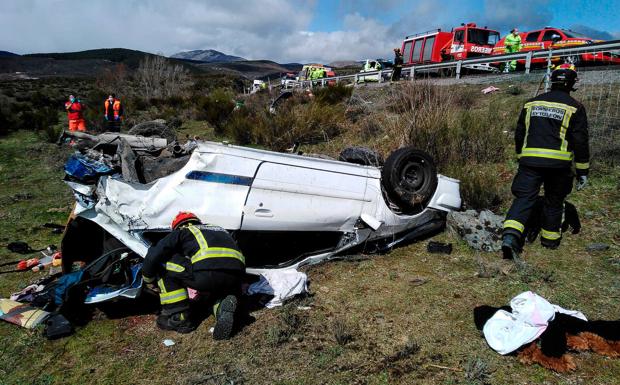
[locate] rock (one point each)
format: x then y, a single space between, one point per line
597 247
482 231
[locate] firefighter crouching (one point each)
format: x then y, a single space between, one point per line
552 131
201 257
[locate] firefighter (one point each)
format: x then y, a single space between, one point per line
398 65
512 43
201 257
113 113
74 110
552 131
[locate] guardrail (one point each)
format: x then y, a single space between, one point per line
460 64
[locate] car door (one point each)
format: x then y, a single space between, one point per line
288 198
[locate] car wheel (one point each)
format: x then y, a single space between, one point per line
361 155
154 128
409 177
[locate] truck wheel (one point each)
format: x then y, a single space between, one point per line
575 60
361 155
409 178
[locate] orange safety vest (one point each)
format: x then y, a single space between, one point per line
116 107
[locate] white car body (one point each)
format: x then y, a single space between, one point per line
250 191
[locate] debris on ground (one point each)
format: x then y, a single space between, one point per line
281 284
168 342
489 90
597 247
439 248
481 230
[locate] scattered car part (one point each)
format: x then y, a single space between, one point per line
439 248
155 128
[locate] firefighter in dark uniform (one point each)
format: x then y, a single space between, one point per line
551 133
201 257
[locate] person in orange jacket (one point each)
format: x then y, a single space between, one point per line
113 113
74 110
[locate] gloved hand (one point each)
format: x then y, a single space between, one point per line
152 287
582 182
105 117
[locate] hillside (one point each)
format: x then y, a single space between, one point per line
252 69
206 56
7 54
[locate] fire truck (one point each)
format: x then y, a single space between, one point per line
556 38
436 46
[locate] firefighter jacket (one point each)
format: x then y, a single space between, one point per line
512 43
205 247
552 131
398 60
114 113
74 110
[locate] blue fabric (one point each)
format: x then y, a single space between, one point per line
63 284
83 168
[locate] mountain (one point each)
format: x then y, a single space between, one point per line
206 56
7 54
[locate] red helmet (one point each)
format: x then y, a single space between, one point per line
183 217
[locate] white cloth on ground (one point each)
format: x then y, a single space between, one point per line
282 284
505 332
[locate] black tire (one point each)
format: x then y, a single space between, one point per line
361 155
409 177
157 129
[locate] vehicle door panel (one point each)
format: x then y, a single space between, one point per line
293 198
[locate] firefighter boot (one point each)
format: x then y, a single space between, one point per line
178 322
224 312
550 243
510 246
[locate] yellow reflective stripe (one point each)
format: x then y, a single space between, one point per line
582 166
527 127
551 235
174 267
173 296
202 242
563 128
547 153
218 252
160 283
541 103
148 279
510 223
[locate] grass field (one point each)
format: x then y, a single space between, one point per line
400 318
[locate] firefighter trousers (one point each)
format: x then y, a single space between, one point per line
179 276
558 183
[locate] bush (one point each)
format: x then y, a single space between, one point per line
215 108
333 94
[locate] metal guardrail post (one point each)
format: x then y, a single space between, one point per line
323 83
380 79
459 64
412 74
528 62
548 73
355 80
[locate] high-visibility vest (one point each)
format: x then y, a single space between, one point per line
74 110
512 43
116 107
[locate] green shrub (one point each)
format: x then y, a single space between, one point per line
332 94
215 108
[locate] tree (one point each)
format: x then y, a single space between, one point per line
158 78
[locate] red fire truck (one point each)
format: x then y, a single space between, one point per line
466 41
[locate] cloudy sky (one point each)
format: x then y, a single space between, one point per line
280 30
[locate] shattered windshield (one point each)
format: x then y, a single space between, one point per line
482 37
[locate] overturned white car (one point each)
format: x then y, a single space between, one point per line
283 209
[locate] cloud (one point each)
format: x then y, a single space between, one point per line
524 14
591 32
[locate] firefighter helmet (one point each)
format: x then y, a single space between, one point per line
565 76
184 217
